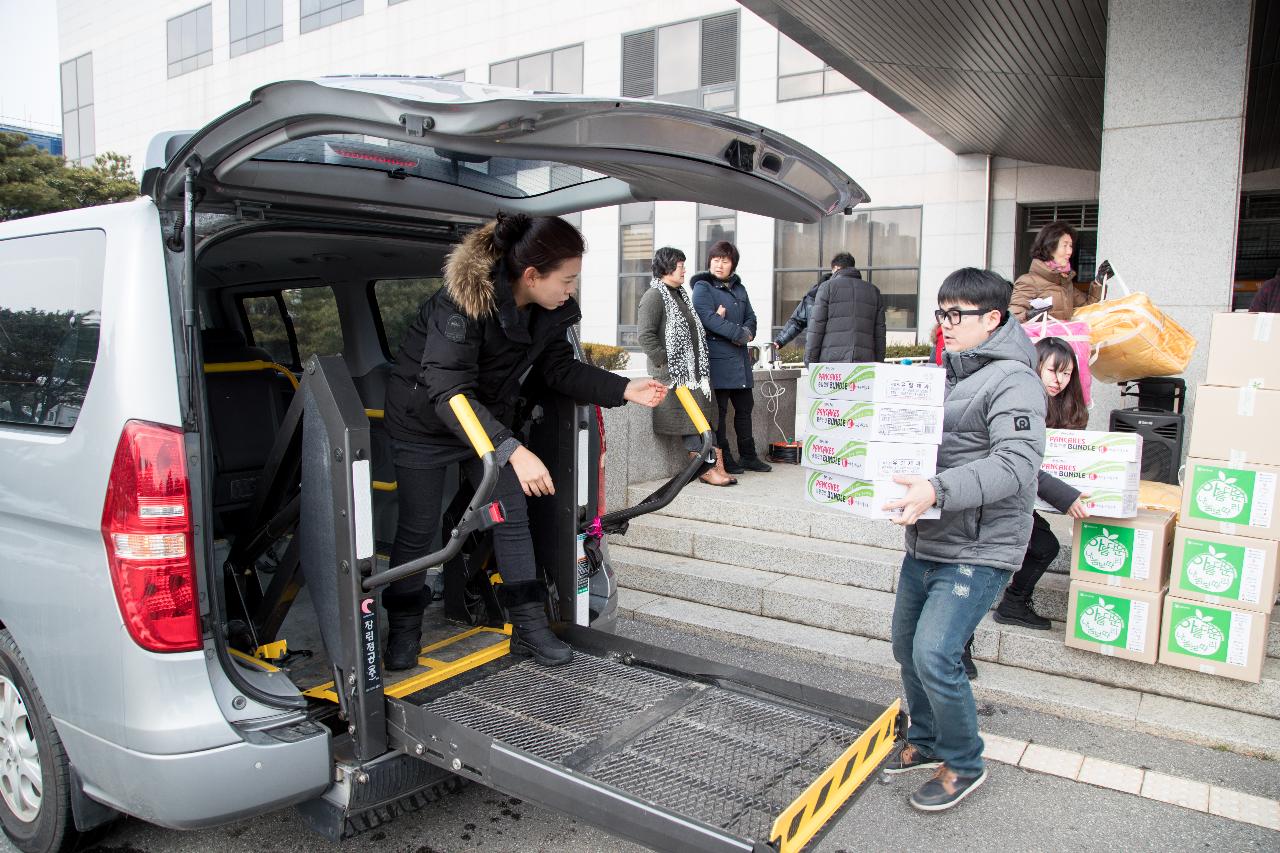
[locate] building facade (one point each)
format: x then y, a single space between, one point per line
132 71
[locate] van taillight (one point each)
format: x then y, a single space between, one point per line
146 524
600 501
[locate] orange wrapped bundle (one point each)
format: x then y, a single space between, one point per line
1132 338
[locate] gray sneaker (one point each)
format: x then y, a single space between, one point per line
906 759
946 789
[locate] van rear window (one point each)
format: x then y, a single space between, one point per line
295 323
50 304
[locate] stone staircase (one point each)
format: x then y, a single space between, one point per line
757 565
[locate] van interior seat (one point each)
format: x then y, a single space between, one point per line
246 409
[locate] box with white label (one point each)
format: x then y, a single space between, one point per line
868 460
1116 622
860 420
1213 639
1215 568
1104 503
1236 425
864 498
1244 351
1115 446
1093 474
923 385
1224 497
1126 552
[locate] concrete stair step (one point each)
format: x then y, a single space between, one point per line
1049 692
782 553
867 613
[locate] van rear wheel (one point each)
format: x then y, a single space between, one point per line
35 799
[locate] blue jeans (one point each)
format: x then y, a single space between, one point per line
937 608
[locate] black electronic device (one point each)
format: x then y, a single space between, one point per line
1157 393
1163 433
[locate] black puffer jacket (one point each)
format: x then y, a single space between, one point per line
470 338
847 322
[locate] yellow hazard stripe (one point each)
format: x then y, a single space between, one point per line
800 821
254 662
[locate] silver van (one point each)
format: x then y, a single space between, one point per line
196 497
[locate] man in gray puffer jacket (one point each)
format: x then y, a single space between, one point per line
956 565
847 320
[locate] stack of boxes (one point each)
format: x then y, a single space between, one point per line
1224 579
866 423
1105 466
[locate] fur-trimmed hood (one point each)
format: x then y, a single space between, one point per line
469 272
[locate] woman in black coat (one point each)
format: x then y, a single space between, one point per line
504 312
725 310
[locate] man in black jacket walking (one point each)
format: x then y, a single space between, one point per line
799 319
847 323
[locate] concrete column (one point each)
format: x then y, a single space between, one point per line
1172 134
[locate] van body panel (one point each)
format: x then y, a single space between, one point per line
199 789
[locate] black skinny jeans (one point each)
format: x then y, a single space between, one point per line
419 491
1041 551
743 402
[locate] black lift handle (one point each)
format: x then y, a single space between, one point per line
481 513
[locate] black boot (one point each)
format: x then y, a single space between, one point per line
1015 609
531 634
731 465
966 658
404 640
751 461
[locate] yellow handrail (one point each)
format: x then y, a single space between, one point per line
249 367
692 409
471 424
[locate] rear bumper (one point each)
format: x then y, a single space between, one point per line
264 771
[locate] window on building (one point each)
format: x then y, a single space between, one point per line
255 24
322 13
49 324
1257 246
294 324
191 41
635 267
692 62
557 70
885 243
77 109
1080 215
803 75
714 224
396 302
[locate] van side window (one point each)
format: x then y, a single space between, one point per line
295 323
50 313
396 302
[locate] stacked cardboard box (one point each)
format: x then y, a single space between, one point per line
1119 571
866 423
1105 466
1224 577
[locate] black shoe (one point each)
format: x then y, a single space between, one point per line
731 465
531 633
908 758
1017 610
404 640
966 658
750 459
945 789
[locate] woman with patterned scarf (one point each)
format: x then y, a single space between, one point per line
673 339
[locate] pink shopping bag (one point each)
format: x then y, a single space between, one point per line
1076 335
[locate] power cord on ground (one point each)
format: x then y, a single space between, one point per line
786 450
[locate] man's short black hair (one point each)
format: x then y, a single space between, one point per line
665 260
980 288
843 260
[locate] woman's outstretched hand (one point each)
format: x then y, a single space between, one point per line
534 477
646 392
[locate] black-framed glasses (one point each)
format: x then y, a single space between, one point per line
952 316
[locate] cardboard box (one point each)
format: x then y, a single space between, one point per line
1104 504
1216 568
1117 446
1212 639
1094 474
1236 424
1222 497
880 383
863 498
1122 623
859 420
868 460
1244 350
1127 552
